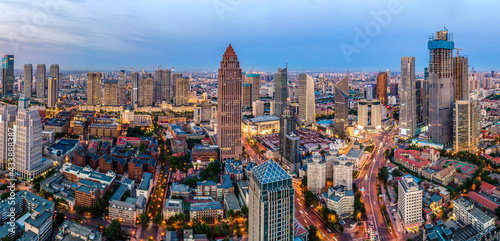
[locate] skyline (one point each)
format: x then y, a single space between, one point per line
113 35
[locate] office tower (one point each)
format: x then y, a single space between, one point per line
466 125
166 85
341 106
28 147
280 90
410 203
41 80
8 75
122 88
369 114
94 88
382 87
254 80
287 126
53 93
307 101
28 79
247 94
316 173
134 78
424 97
157 95
342 174
407 116
292 157
418 101
370 92
7 119
111 92
54 73
181 91
258 108
441 88
393 89
270 204
146 90
461 72
175 76
229 106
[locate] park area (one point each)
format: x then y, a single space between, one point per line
466 168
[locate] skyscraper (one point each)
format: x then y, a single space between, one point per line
292 157
271 203
122 88
110 92
280 90
382 87
229 106
166 85
441 88
410 203
7 120
408 115
316 173
157 79
466 125
247 95
53 93
54 73
28 79
287 127
369 114
8 75
28 148
307 101
94 88
461 72
342 173
41 80
181 91
341 106
134 78
146 90
254 80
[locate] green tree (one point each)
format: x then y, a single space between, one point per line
158 218
313 233
114 231
244 210
383 175
58 220
144 219
433 216
445 215
310 198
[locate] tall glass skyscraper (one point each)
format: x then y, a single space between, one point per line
280 90
271 203
28 79
382 88
41 80
8 75
229 98
341 105
408 109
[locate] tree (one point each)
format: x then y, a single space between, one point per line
313 233
383 175
114 231
445 215
230 215
158 218
497 211
144 219
433 216
396 173
244 210
58 220
310 198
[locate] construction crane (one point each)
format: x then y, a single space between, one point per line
251 69
458 73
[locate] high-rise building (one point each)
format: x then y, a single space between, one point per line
292 157
410 203
466 125
382 87
54 73
247 94
254 80
146 90
393 89
342 174
369 114
441 88
316 173
122 88
8 75
341 106
287 126
134 78
271 203
307 100
7 120
370 92
258 108
181 91
166 85
53 93
28 147
41 80
110 92
280 90
418 101
229 106
157 90
408 116
28 79
461 72
94 88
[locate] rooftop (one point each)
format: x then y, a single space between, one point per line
269 172
205 206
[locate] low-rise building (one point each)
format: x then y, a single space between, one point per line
76 232
56 125
181 190
411 159
261 125
340 200
127 211
465 211
202 155
205 209
75 173
172 207
145 186
231 202
178 145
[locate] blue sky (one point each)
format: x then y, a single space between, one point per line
309 35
